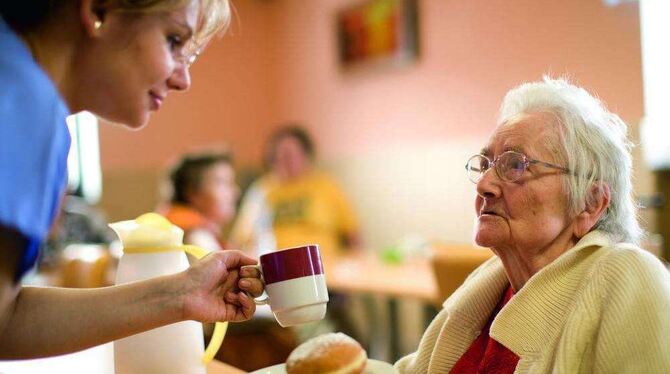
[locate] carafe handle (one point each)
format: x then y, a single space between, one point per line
219 327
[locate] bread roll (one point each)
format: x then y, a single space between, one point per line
334 353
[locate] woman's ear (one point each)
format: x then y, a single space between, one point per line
91 17
597 202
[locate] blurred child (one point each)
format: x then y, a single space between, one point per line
203 198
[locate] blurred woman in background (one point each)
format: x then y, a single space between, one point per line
118 59
300 204
294 204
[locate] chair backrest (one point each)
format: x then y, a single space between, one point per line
452 263
85 266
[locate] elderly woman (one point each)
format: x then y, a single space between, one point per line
118 59
568 290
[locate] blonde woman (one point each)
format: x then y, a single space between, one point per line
118 59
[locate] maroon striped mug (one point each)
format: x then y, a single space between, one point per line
295 285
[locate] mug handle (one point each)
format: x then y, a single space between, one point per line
219 327
263 299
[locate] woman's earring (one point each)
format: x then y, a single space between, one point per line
97 25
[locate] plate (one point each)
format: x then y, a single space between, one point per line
373 367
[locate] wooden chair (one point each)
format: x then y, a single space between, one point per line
85 266
452 263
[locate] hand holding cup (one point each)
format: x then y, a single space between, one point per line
214 288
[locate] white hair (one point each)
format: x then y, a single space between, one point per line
594 147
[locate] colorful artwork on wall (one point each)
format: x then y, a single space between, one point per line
378 32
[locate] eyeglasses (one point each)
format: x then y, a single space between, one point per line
188 58
509 166
189 52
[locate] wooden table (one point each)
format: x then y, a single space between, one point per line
367 273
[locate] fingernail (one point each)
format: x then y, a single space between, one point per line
245 283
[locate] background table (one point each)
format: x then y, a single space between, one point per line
366 273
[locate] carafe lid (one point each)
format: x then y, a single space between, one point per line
148 230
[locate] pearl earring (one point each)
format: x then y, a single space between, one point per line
97 24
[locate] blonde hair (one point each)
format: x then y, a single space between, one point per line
214 15
26 15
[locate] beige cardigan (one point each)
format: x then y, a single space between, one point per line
599 308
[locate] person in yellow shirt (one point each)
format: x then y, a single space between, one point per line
296 204
301 204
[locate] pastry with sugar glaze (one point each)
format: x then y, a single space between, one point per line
333 353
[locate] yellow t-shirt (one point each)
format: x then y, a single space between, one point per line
310 210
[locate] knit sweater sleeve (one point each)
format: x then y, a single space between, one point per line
635 328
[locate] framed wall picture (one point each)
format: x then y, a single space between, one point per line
378 32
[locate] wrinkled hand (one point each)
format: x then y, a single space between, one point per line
214 290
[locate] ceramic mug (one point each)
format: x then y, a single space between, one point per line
295 285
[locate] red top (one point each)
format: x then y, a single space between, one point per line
486 355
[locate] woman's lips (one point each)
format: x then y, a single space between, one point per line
489 213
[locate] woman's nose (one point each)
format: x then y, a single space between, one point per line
489 184
180 80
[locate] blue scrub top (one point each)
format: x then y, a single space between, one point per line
34 143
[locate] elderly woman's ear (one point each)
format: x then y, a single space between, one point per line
595 206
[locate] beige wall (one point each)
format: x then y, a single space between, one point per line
397 138
472 53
